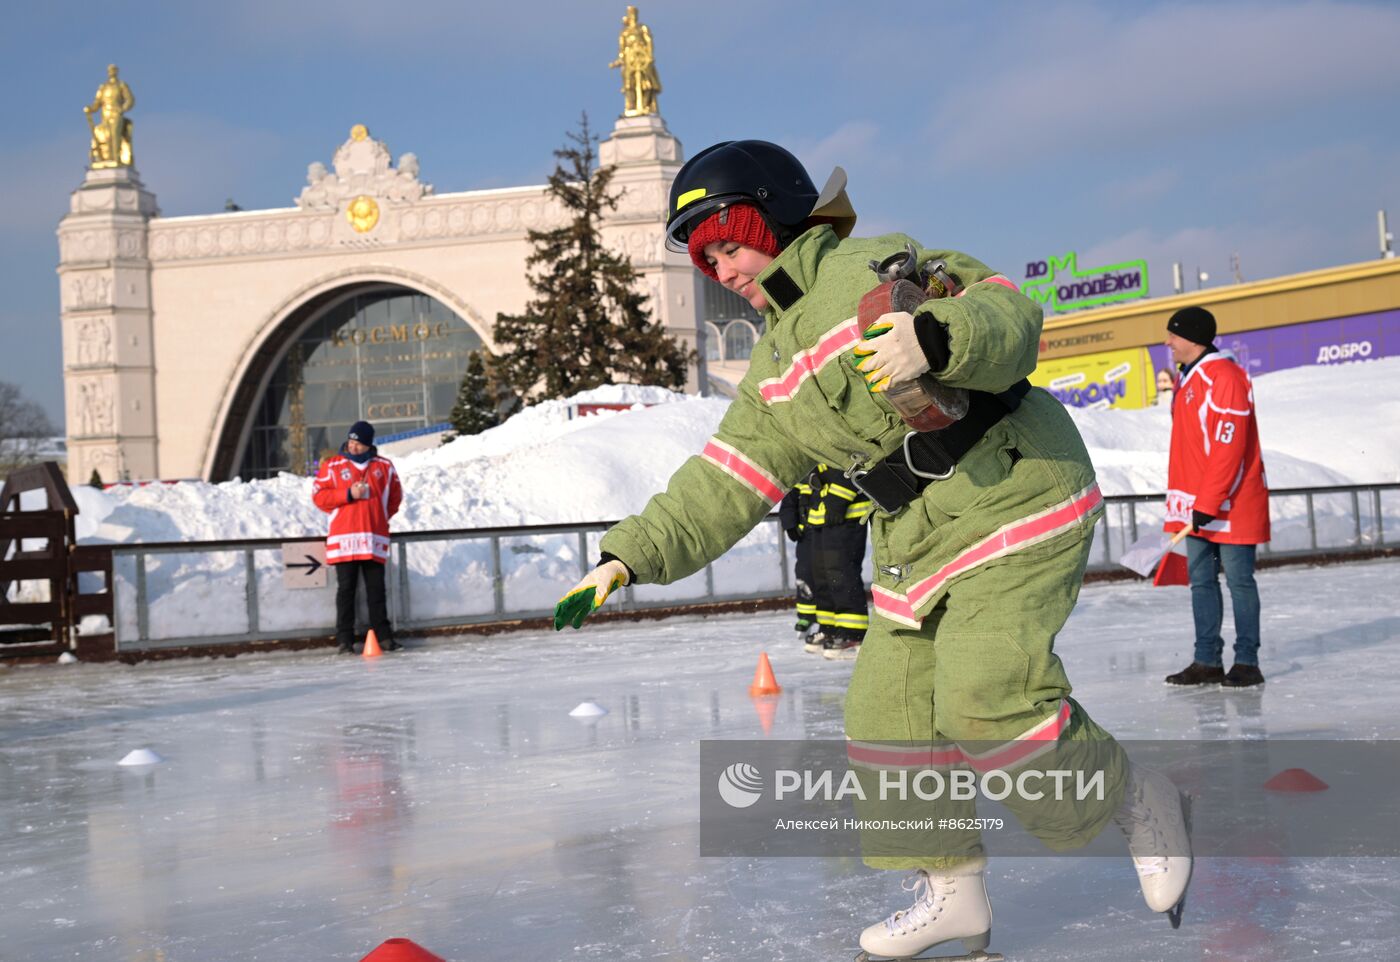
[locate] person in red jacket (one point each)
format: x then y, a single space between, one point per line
1216 486
361 492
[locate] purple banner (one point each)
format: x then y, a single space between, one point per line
1358 338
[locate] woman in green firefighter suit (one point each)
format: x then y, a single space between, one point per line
974 576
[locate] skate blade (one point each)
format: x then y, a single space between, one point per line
1174 913
978 956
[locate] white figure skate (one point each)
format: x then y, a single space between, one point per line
1156 817
946 908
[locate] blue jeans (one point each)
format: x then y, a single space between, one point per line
1205 559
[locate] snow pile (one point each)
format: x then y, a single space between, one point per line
1320 426
541 467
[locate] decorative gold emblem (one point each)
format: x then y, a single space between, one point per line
111 131
363 214
359 132
640 82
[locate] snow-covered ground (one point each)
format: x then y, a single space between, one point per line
312 806
1320 425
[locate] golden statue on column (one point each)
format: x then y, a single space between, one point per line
111 130
640 83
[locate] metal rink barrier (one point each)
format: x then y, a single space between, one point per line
178 595
1304 522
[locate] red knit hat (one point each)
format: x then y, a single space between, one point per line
741 223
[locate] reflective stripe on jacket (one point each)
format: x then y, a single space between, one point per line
833 500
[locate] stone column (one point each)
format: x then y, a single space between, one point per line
647 158
105 303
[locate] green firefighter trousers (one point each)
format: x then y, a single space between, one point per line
979 675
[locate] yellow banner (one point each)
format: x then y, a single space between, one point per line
1112 379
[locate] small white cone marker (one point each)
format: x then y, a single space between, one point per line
588 709
141 756
67 658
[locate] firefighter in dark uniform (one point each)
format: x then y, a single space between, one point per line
835 526
792 515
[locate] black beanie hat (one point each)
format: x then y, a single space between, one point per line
361 431
1196 324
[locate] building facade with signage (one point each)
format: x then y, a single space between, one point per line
1114 357
244 343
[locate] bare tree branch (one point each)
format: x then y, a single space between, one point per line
23 428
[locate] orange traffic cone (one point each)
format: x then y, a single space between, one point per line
401 950
763 681
372 649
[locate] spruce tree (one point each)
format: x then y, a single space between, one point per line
587 325
95 480
475 409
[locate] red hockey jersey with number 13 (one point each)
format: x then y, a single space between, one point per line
1216 466
359 528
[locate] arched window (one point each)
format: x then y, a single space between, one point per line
713 342
718 303
739 338
384 354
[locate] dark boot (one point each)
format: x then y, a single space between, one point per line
1198 674
391 645
814 642
842 644
344 648
1243 676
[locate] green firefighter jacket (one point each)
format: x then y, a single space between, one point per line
1028 481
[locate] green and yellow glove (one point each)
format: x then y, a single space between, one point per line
895 357
589 594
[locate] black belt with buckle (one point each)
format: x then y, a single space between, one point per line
926 457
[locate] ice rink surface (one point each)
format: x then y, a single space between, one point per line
311 806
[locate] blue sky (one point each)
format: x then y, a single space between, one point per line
1012 131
